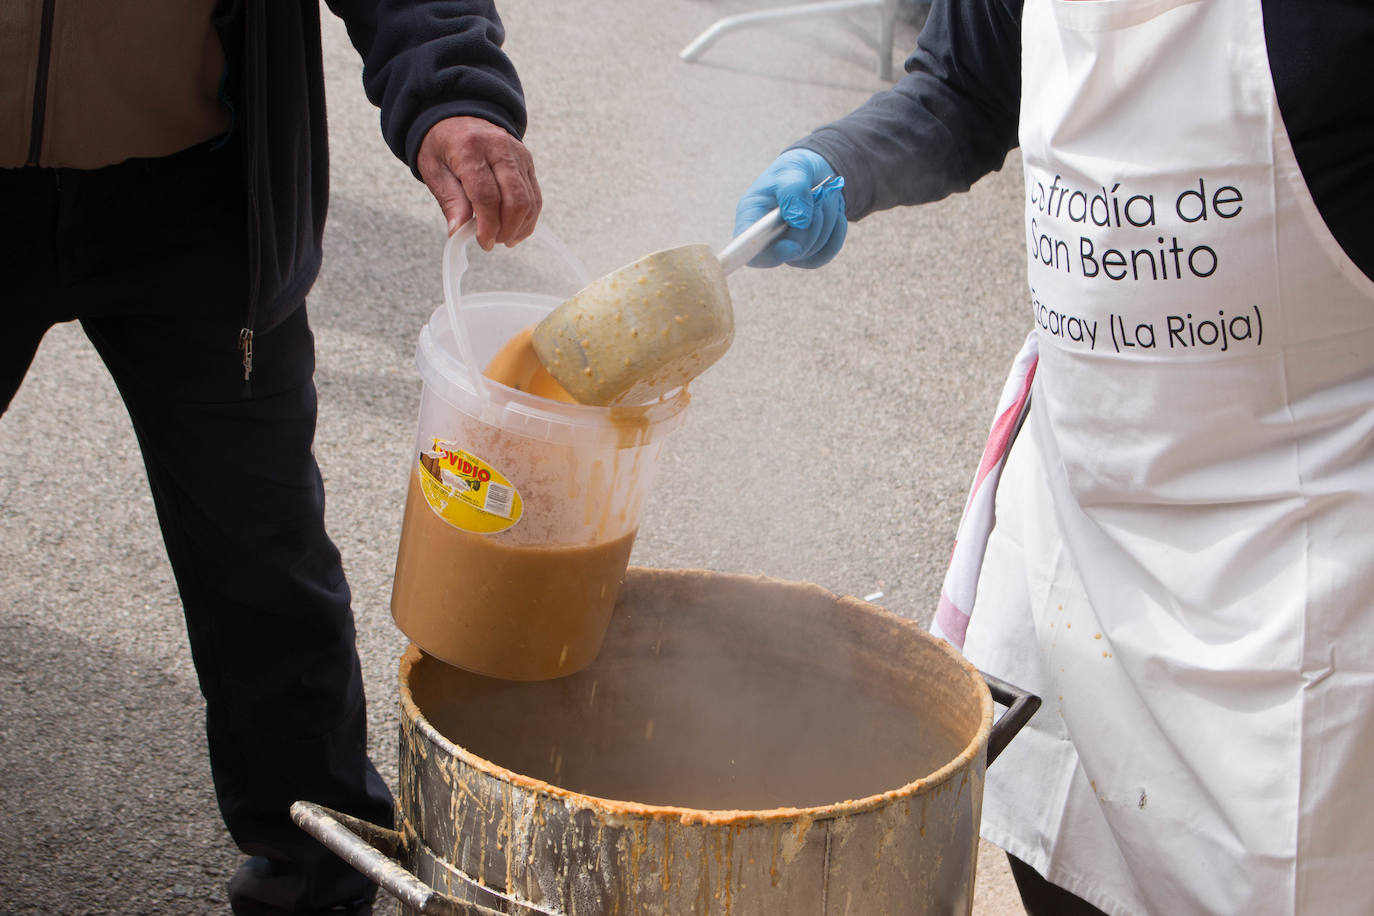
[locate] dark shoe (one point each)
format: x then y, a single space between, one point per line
261 887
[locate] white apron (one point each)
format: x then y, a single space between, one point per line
1182 563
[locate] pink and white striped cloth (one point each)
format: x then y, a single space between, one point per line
971 540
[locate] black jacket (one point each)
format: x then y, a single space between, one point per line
423 61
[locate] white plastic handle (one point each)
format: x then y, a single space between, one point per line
456 264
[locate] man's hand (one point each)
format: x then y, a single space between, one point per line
474 168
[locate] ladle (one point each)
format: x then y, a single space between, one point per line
654 325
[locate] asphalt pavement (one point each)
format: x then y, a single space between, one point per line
832 444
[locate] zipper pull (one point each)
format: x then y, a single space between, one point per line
246 345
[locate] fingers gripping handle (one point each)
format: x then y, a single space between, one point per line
746 246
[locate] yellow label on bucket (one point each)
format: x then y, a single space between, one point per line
467 492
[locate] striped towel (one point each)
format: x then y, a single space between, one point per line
971 541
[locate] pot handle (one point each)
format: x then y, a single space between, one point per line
1020 707
374 852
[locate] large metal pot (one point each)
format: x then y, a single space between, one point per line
741 746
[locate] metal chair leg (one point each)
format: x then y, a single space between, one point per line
886 13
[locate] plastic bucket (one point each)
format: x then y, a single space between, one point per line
521 512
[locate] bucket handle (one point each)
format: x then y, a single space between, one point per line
1021 705
456 264
375 852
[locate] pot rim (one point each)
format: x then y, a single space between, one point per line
720 817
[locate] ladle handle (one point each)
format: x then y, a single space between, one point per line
744 247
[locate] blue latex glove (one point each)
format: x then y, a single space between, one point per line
816 219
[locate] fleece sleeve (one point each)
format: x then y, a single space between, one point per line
426 60
950 120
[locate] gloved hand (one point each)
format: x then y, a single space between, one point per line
816 219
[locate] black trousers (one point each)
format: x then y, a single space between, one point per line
1041 898
150 257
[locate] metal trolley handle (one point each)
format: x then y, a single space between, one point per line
375 852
